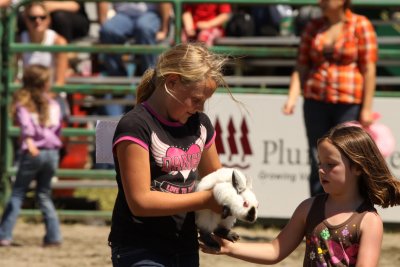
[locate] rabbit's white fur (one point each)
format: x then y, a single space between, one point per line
232 190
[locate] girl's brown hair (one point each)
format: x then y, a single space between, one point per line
193 62
347 4
376 182
31 96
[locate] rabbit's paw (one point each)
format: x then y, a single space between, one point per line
227 234
206 239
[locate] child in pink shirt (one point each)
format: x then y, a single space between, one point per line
204 22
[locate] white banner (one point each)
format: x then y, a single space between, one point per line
272 148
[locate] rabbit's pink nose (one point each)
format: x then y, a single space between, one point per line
245 204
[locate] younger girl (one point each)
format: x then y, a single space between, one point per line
160 148
341 227
39 118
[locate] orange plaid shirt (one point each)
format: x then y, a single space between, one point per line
337 78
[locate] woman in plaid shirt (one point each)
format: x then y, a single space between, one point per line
336 71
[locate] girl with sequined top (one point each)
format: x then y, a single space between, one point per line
341 226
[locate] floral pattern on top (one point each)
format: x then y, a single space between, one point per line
332 245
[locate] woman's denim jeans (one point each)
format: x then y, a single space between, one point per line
140 257
319 118
118 30
42 169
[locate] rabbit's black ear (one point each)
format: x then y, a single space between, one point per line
237 182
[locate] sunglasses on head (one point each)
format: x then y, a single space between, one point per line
34 18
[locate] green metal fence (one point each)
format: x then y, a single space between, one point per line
3 184
10 48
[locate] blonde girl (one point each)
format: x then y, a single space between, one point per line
341 226
160 148
39 119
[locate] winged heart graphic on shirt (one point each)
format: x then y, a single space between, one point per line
176 160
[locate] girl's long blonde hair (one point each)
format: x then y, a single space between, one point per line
376 182
32 94
193 62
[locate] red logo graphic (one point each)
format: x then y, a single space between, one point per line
232 146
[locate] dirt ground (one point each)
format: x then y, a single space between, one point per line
85 245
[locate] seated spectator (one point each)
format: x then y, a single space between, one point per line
37 20
204 22
146 23
68 18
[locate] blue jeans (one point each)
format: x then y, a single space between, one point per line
118 30
41 168
319 118
141 257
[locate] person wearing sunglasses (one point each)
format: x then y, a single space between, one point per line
37 20
68 18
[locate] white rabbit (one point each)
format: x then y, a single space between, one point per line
233 191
